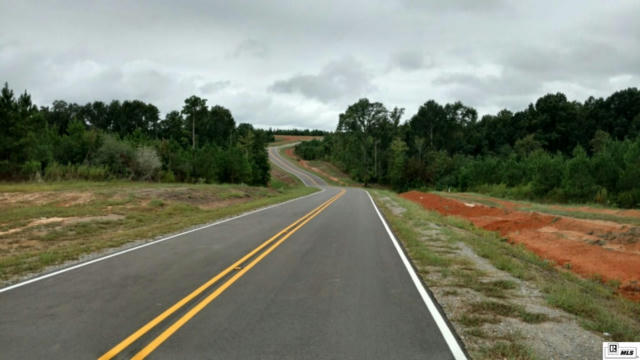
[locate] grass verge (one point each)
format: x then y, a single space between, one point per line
327 171
596 305
48 224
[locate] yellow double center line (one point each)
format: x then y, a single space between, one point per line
281 236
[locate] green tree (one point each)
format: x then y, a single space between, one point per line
195 112
398 164
578 183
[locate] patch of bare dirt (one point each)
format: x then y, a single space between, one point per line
282 176
222 203
628 213
203 199
561 337
306 165
63 221
588 247
60 198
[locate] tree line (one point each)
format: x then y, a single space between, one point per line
297 132
555 149
128 139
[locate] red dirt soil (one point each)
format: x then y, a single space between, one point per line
306 165
628 213
591 247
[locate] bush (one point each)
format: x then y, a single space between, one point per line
117 156
629 199
54 172
167 176
95 173
31 169
58 172
602 196
146 162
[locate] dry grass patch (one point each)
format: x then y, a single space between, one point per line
48 224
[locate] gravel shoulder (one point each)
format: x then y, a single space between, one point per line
498 313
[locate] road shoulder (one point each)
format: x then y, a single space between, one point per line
495 313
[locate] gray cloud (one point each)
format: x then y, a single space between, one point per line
211 87
585 60
251 48
273 62
409 60
456 5
336 80
509 88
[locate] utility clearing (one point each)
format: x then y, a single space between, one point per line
585 244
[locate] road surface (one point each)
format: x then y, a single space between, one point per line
306 177
318 277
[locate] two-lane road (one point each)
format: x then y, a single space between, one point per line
318 277
280 161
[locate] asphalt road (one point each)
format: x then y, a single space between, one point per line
307 178
330 286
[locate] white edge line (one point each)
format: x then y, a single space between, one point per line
293 169
294 172
451 340
58 272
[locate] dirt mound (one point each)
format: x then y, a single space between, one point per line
591 248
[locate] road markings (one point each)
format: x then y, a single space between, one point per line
83 264
280 162
283 163
451 340
296 225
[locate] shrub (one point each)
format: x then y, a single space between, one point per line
116 155
629 199
54 172
167 176
88 172
146 162
31 169
601 196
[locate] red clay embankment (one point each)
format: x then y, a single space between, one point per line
590 247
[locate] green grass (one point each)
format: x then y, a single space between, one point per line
597 305
333 171
508 350
506 310
477 320
281 179
324 166
148 210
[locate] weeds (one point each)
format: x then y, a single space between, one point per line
596 304
146 209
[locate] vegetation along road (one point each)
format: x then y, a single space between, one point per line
317 277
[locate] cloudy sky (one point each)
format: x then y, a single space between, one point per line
284 63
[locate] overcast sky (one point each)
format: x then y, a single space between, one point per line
284 63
